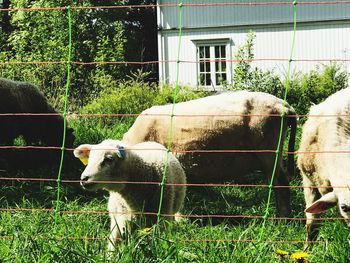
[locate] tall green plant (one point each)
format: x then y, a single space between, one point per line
243 73
252 78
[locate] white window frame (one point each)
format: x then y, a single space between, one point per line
212 43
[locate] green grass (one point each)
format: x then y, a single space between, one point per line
32 236
81 236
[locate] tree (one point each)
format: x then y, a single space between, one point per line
5 23
97 35
142 42
102 35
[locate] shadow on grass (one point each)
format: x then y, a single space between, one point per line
204 205
39 184
229 204
226 206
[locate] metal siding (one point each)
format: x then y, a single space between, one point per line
215 16
313 42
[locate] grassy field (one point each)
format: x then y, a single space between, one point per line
78 235
30 231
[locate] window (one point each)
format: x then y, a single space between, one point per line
212 66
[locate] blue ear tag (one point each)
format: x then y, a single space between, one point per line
122 153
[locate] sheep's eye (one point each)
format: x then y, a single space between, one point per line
345 207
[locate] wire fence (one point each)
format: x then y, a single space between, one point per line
70 61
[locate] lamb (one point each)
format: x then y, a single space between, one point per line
326 175
133 177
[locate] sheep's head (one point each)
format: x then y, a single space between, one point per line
331 199
102 161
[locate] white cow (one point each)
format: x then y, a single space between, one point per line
325 172
133 177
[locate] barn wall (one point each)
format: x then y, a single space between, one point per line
314 41
235 15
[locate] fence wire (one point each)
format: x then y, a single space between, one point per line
70 61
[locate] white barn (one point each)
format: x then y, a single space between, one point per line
216 31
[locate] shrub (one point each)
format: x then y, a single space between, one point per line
304 90
246 77
127 98
315 86
97 35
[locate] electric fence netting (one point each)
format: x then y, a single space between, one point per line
44 213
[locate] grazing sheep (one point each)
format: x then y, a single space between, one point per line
22 97
326 175
112 161
243 121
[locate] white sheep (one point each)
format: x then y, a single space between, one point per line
324 160
241 120
133 177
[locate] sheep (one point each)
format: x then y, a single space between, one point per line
238 120
326 178
40 124
112 164
23 97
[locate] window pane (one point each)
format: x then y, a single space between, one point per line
223 52
218 79
207 52
201 67
217 52
207 79
224 77
207 66
219 67
201 52
223 64
201 79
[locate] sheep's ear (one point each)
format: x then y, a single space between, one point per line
82 152
323 204
121 151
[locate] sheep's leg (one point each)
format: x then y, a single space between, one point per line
180 193
118 225
120 214
312 226
282 194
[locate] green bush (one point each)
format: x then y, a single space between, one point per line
245 77
126 100
42 36
304 89
315 86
